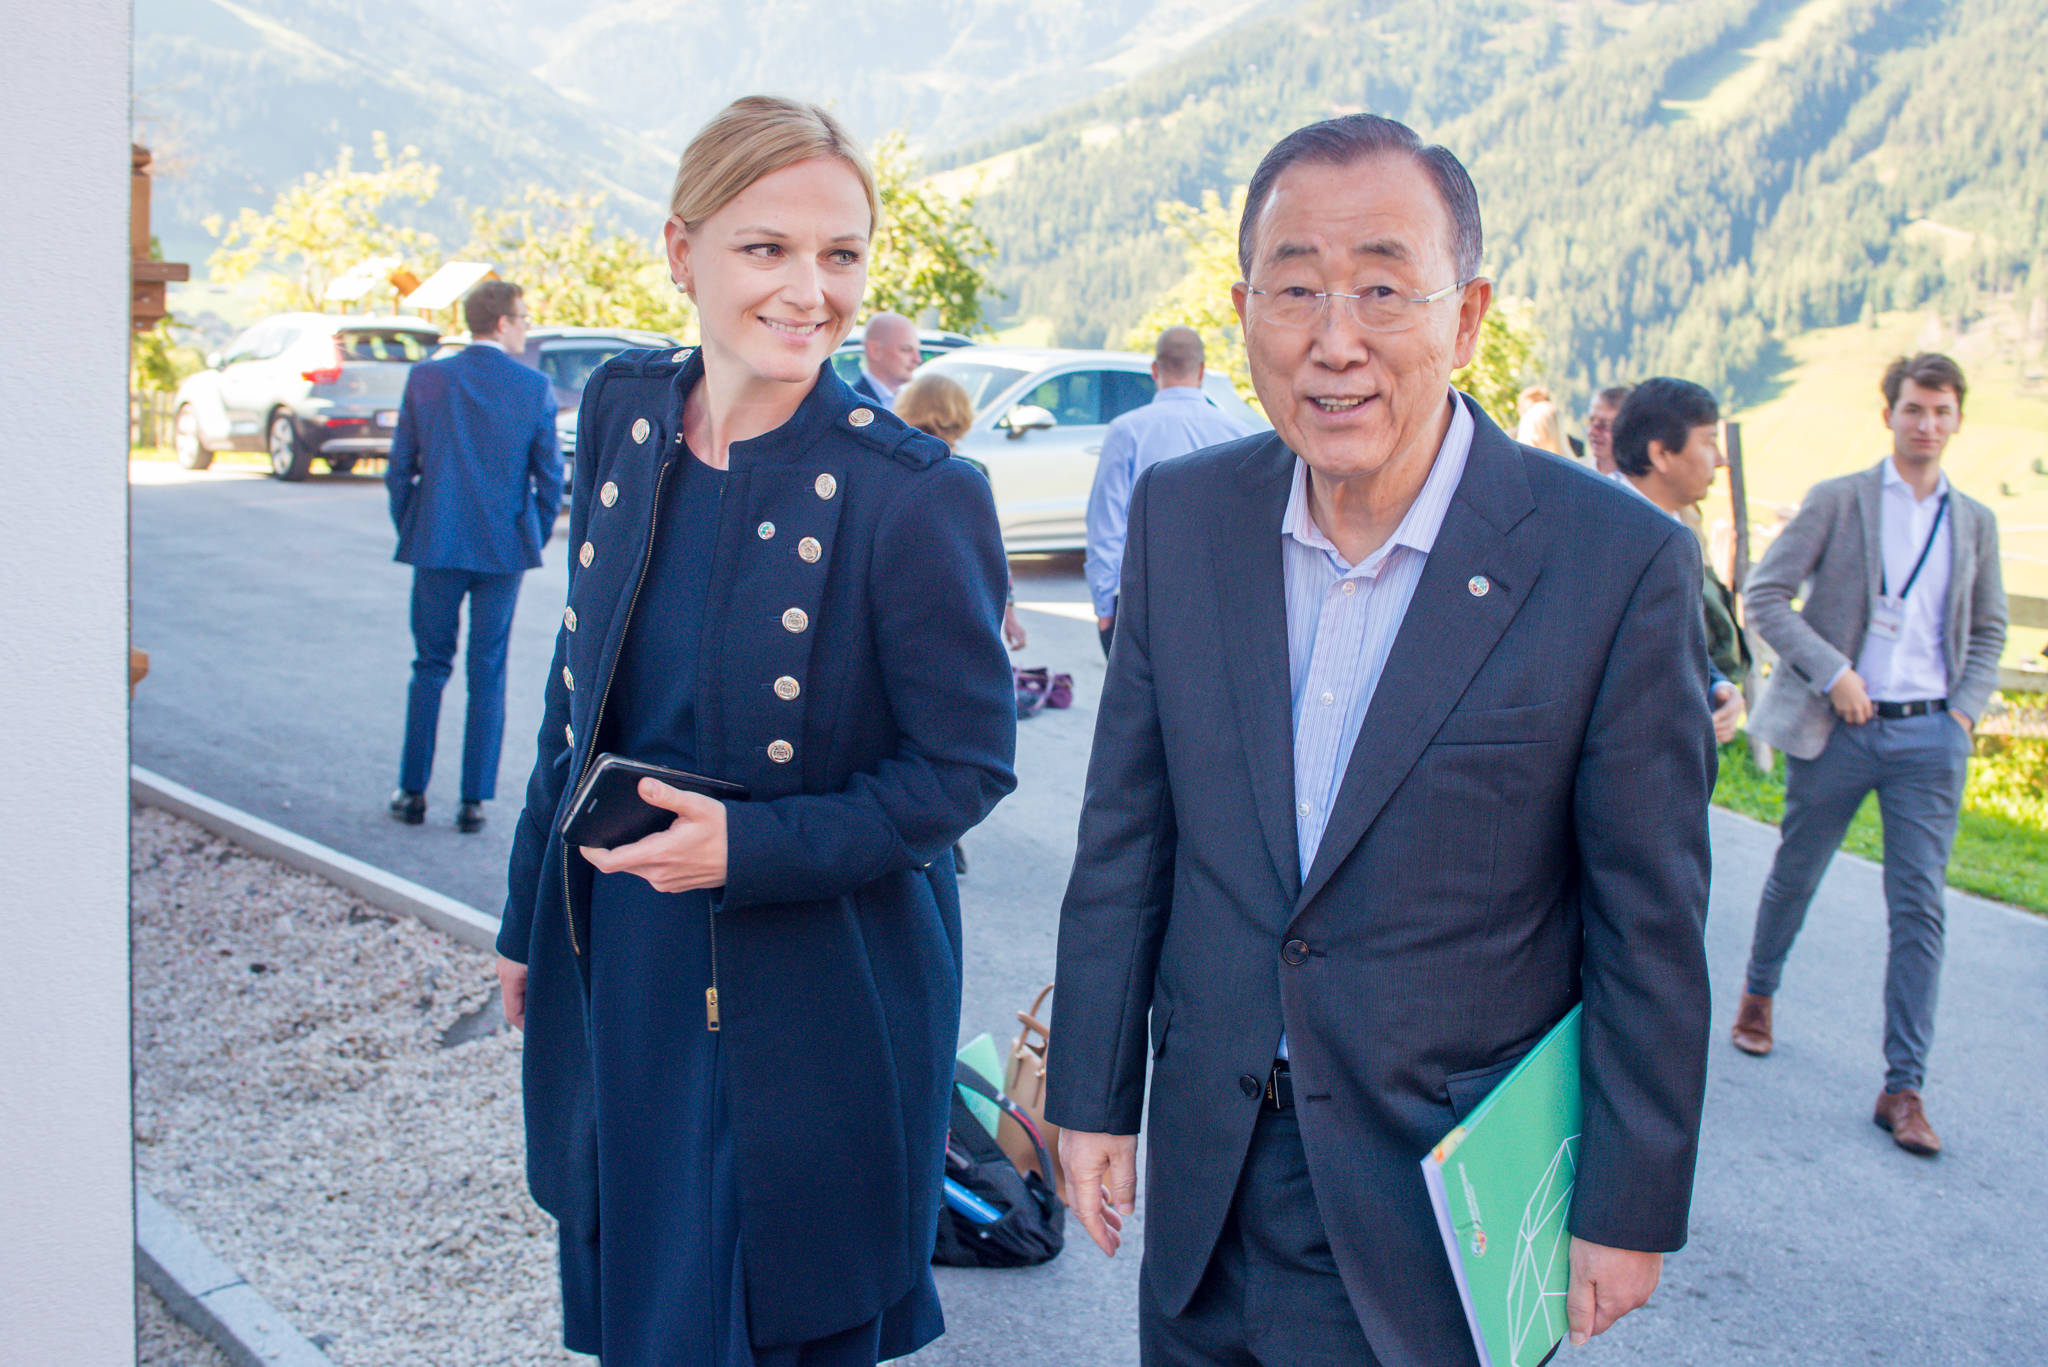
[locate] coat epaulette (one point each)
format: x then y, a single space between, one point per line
653 364
883 431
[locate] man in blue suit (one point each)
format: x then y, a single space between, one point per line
475 480
1402 753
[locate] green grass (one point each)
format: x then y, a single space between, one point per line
2001 842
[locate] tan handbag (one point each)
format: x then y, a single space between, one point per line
1024 1082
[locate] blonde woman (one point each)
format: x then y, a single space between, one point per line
1542 425
740 1029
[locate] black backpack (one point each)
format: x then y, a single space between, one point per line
1028 1219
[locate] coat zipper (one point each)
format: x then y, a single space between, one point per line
711 912
597 718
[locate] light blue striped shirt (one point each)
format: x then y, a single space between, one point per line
1341 624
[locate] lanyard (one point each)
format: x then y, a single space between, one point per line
1917 564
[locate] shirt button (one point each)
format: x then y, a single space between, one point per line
1250 1085
1295 952
1328 699
1350 587
1305 808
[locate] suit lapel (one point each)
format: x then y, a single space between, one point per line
1870 503
1251 595
1444 638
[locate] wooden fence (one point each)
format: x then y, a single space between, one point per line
149 418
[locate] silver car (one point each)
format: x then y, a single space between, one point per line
1039 418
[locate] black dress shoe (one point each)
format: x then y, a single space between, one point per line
470 817
959 862
409 807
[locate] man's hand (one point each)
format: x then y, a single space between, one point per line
1969 727
1727 712
1102 623
1606 1284
512 991
1102 1183
689 854
1850 699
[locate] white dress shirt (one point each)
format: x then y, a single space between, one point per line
1915 666
888 392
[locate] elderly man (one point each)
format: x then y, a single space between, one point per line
1600 416
889 353
1391 767
1178 420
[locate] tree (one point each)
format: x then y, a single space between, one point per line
328 222
929 252
1200 299
572 275
1500 363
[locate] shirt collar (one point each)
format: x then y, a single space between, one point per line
489 342
1625 482
1425 516
1178 393
1894 480
888 392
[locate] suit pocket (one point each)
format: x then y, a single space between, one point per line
1469 1088
1535 724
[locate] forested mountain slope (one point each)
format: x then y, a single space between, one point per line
1675 185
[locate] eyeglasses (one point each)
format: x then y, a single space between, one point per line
1377 308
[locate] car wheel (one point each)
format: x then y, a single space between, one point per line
191 451
289 458
341 465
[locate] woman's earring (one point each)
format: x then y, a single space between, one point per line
681 288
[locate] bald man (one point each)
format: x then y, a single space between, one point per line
1177 421
889 352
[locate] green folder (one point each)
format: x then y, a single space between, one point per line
981 1055
1502 1186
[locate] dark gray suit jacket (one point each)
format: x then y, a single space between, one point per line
1523 824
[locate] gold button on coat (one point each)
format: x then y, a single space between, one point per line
781 751
826 486
809 549
568 679
609 494
766 531
640 429
569 618
586 555
796 619
860 417
569 734
787 688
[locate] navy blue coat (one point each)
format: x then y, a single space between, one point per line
1522 826
475 474
856 562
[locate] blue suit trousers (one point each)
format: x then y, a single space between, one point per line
436 610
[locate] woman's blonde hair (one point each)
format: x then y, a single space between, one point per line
756 136
935 404
1542 426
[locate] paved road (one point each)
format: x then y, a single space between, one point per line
276 625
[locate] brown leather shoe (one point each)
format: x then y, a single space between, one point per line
1902 1114
1752 1032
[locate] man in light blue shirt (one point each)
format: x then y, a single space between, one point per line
1178 420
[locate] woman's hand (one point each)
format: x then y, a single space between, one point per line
690 854
512 991
1013 630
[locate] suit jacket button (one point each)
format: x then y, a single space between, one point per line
795 620
569 618
587 554
609 494
781 751
787 688
640 430
569 734
1295 951
568 679
1250 1085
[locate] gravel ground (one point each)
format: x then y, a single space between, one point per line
163 1340
296 1103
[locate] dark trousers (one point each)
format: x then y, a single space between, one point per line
436 609
1917 766
1271 1296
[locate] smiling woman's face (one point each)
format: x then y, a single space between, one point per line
778 273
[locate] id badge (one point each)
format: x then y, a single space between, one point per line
1887 617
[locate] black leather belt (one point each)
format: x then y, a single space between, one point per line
1893 711
1279 1089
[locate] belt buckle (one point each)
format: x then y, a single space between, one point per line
1279 1089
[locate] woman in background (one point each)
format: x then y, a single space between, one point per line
1542 425
740 1029
939 406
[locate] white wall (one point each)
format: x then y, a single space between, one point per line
66 1219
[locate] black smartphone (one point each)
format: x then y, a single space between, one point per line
608 811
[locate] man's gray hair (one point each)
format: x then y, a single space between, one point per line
1178 352
1354 137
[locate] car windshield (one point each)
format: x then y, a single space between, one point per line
982 381
385 344
570 368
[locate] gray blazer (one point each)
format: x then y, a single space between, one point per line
1830 552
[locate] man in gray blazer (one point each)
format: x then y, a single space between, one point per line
1882 674
1403 750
